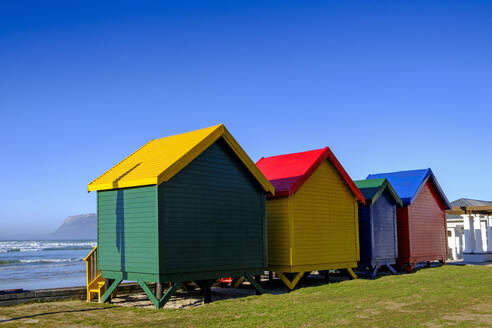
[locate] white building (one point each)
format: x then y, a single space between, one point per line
469 226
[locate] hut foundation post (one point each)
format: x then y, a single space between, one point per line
392 270
352 273
254 282
158 290
409 267
258 281
205 286
107 283
110 289
207 294
236 283
375 271
270 275
326 275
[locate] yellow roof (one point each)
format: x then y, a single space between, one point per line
160 159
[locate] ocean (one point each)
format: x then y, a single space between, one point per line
35 264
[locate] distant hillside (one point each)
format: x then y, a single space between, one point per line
82 226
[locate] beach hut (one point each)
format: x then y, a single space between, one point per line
377 225
421 221
312 218
189 207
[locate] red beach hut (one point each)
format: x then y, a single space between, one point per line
421 222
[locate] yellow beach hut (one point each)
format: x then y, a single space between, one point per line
312 219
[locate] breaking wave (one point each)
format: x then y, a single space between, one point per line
35 246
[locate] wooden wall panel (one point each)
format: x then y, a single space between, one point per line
428 224
278 231
325 220
127 230
212 216
384 226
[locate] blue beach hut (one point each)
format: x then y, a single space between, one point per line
377 225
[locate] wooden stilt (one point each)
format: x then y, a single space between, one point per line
205 286
258 281
290 284
237 282
392 270
158 303
409 267
107 283
375 271
256 285
109 290
270 276
327 276
352 273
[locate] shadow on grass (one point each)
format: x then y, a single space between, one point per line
55 312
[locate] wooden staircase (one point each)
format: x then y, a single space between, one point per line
95 282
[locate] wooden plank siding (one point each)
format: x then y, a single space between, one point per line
428 237
404 233
212 216
317 227
127 230
278 231
385 245
324 213
365 233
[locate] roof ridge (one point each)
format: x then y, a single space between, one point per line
477 200
402 171
289 154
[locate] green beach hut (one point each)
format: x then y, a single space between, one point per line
186 207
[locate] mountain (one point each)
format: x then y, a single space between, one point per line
82 226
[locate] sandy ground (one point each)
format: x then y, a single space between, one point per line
187 299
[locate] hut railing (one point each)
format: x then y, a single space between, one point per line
94 280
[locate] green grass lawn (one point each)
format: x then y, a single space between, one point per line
434 297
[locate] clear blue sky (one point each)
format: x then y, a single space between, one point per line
388 85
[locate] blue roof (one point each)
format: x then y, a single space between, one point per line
408 184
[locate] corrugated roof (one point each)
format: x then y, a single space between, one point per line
408 184
288 172
160 159
464 202
373 188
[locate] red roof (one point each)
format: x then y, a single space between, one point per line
287 173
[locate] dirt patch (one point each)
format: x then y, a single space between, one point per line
481 308
395 306
182 299
474 317
469 316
